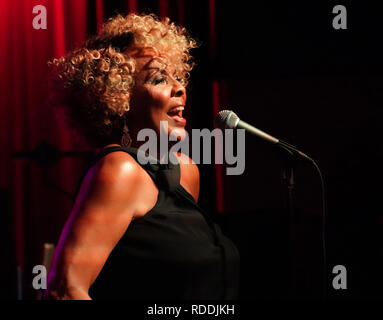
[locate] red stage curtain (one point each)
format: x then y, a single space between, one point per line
26 120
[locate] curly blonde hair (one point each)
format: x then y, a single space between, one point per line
93 83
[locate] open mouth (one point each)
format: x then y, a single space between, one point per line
176 114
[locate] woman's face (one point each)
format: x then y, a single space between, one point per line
157 96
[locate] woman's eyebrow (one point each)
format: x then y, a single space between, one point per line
155 64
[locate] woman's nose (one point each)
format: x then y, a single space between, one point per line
178 89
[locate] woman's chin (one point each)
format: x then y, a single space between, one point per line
177 134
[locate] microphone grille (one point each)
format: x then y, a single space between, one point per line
226 119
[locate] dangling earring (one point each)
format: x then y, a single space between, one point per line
126 140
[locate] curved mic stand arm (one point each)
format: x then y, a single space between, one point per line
292 156
292 150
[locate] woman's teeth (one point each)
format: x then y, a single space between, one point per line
176 115
176 111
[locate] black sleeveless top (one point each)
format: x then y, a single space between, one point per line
175 251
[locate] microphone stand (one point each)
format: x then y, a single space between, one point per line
289 186
291 157
228 119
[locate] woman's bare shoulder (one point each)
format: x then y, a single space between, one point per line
123 176
116 165
118 178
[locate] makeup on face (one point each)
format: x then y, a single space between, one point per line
159 94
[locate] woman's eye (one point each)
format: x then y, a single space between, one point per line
180 80
159 80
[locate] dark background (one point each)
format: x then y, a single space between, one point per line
283 68
288 72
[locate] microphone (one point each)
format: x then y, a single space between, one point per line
227 119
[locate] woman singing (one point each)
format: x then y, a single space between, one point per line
135 230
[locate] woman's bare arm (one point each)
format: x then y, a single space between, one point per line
105 206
